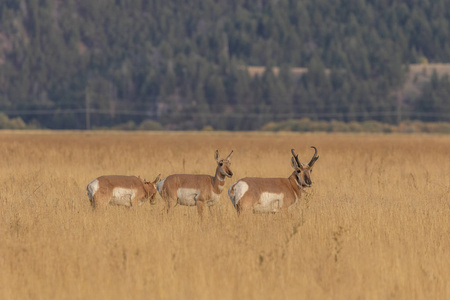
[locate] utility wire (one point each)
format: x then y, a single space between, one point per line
215 115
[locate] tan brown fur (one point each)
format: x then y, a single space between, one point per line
103 196
209 187
257 186
289 189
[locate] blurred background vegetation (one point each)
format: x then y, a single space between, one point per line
224 65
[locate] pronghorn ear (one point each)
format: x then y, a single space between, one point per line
157 178
216 155
230 155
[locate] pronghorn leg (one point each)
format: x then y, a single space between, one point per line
285 212
167 200
212 211
99 202
92 200
168 206
244 207
169 203
200 207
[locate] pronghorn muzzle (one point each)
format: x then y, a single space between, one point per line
226 172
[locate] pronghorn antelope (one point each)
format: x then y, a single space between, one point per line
271 195
199 190
121 190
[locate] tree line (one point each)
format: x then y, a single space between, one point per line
184 64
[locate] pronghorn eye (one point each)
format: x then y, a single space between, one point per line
221 164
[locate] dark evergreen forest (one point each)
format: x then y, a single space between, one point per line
77 63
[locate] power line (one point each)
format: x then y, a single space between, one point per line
152 114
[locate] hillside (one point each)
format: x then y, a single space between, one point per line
417 75
72 64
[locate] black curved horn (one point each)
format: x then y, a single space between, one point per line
296 158
314 158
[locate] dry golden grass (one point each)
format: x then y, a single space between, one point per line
375 224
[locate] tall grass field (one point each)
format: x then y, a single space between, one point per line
374 225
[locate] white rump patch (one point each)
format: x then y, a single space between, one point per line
160 185
269 203
187 196
122 196
239 188
92 188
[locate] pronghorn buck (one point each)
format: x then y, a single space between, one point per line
271 195
121 190
199 190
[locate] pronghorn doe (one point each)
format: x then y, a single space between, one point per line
271 195
199 190
121 190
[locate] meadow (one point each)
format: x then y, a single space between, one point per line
374 225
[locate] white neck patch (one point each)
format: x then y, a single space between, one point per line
219 177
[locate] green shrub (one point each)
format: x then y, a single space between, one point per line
208 128
150 125
130 125
306 125
15 123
